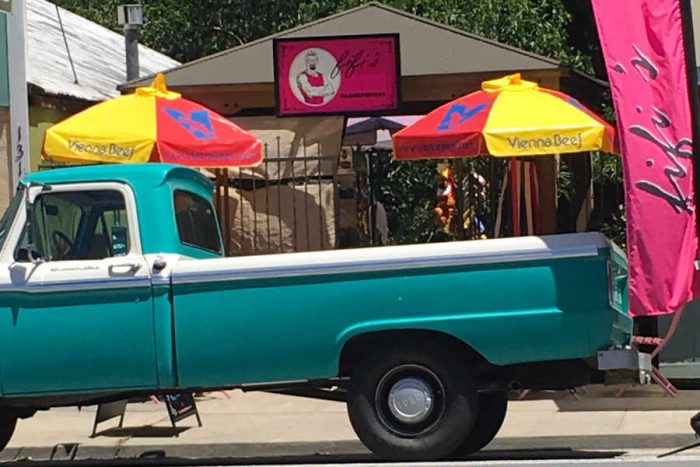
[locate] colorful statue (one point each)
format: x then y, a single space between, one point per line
446 200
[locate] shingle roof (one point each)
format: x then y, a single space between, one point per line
97 52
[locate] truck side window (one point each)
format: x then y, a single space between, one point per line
77 226
196 222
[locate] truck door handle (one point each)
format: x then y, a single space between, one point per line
123 269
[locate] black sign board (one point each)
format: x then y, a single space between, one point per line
109 411
180 406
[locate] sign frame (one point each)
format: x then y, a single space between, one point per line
108 411
395 37
181 405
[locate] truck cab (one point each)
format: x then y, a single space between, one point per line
79 314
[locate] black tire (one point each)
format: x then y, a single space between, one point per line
489 420
7 428
443 422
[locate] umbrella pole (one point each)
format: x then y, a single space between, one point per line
372 197
535 198
527 188
501 202
218 198
227 214
515 195
459 175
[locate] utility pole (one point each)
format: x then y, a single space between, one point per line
17 79
131 18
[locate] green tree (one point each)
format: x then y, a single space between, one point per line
189 30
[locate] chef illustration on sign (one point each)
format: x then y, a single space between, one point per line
313 86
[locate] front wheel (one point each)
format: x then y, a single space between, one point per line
7 428
412 404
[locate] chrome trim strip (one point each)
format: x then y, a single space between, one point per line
78 285
393 264
160 280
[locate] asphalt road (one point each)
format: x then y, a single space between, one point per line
651 462
535 457
630 463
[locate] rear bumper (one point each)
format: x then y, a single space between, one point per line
624 365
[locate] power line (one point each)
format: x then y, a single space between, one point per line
65 41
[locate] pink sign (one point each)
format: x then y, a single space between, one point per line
337 75
643 44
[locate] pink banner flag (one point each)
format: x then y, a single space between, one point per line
643 45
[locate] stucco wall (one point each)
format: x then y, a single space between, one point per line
5 188
40 119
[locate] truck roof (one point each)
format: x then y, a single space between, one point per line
137 175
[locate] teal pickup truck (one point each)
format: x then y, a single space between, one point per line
113 286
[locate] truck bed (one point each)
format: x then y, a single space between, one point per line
517 300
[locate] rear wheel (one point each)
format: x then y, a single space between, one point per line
412 404
7 428
489 419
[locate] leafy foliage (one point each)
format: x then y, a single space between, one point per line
615 227
409 197
188 30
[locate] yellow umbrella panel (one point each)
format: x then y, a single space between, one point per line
120 130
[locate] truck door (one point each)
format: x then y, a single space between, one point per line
81 317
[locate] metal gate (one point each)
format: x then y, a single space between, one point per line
288 204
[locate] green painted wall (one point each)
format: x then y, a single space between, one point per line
40 119
4 76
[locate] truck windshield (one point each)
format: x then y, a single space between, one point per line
9 216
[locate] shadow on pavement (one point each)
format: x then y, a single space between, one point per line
143 432
279 453
541 455
594 443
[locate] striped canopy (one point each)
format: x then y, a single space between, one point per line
507 117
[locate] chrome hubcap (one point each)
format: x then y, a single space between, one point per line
411 400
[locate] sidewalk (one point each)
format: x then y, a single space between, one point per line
260 424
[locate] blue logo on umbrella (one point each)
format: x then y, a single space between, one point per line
462 112
197 122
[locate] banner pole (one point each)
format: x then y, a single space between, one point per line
692 75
